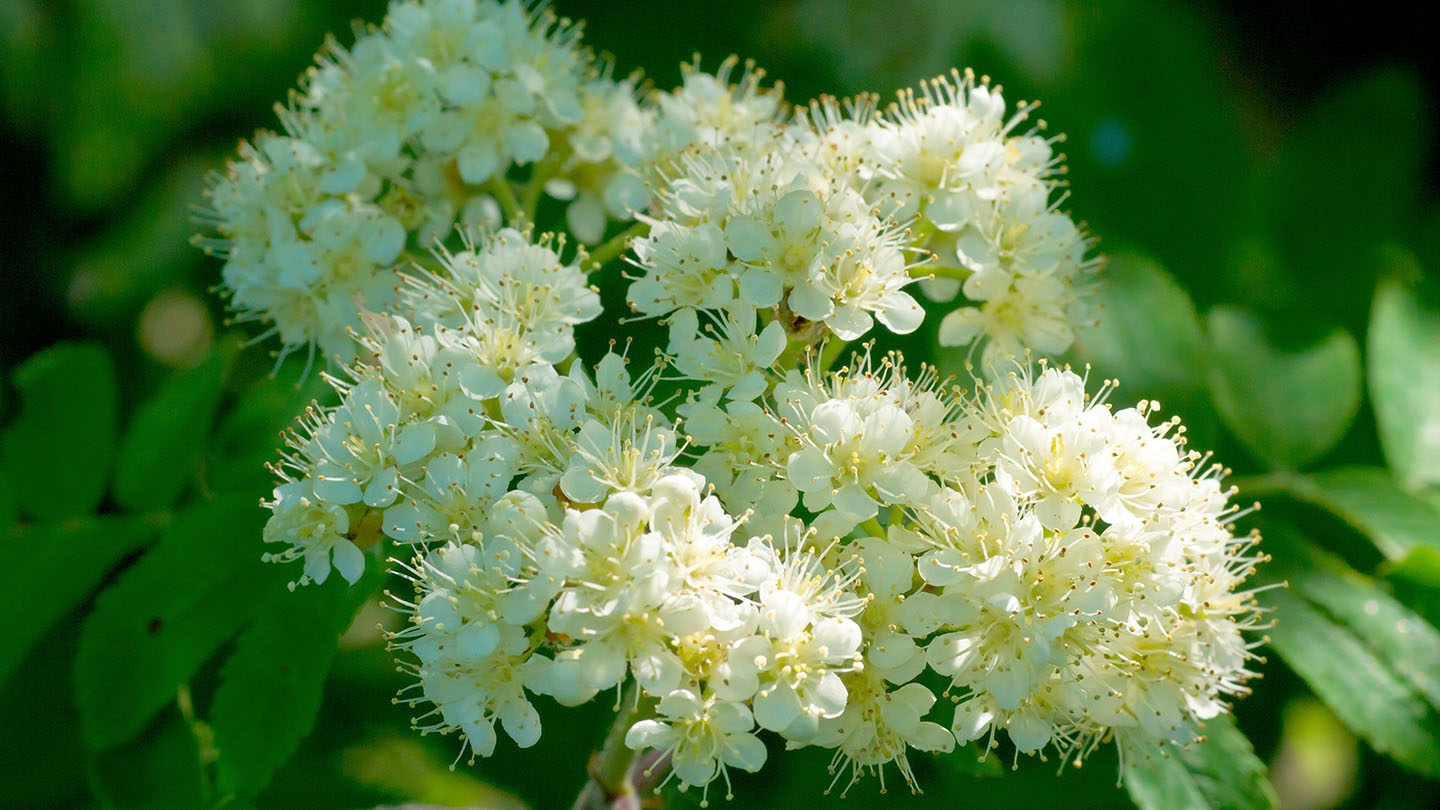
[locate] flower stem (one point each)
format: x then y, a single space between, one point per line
530 196
939 271
612 768
602 255
830 351
505 195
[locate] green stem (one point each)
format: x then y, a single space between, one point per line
530 196
505 195
829 352
794 350
921 232
204 738
611 775
604 254
939 271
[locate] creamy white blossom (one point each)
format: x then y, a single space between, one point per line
766 533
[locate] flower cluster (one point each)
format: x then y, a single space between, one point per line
416 128
797 539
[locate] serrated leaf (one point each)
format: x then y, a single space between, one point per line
167 614
1401 637
59 448
1362 690
1221 772
51 569
159 770
1416 580
166 438
1404 356
271 686
247 436
1286 409
48 768
1369 499
1148 335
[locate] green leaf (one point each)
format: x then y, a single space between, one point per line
9 512
1369 499
1148 335
1401 637
1404 355
246 438
272 684
1359 687
1287 409
51 569
48 768
159 770
59 448
1221 772
1416 580
168 614
166 438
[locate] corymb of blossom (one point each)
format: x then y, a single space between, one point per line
810 542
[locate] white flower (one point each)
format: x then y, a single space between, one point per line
628 450
852 456
455 494
880 726
708 110
702 735
619 601
474 656
362 447
684 267
943 149
895 614
743 459
297 257
756 545
697 534
316 531
735 361
507 302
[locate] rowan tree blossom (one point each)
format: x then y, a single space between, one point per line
766 532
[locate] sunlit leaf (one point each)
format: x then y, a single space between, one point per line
1365 693
1221 772
1404 357
1416 580
1369 499
1398 635
1287 409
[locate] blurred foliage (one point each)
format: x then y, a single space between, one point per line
1272 280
